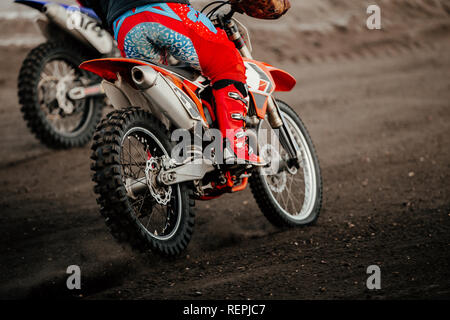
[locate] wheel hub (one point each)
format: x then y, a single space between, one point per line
161 194
277 179
62 89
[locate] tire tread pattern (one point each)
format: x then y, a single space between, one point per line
264 200
29 76
112 195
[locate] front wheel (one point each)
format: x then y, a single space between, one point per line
128 152
291 196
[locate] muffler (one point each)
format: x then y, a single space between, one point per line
170 100
144 77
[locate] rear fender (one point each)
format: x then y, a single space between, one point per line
111 69
80 25
38 5
48 30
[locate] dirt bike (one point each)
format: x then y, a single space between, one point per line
147 194
62 104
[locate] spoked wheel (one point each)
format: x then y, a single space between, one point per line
66 117
47 75
155 208
289 196
129 148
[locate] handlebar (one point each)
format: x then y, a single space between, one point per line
230 14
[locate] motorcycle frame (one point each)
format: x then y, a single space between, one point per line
124 90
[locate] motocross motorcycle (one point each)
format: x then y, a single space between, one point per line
147 196
62 104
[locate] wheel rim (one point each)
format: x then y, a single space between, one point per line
67 118
158 221
293 191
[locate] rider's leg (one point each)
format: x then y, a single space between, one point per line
154 31
231 110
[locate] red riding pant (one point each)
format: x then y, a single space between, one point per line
154 31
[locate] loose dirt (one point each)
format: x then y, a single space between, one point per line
377 105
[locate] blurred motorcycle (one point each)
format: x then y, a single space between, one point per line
62 104
147 185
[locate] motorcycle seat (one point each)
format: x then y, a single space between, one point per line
182 69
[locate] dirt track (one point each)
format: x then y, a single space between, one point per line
380 121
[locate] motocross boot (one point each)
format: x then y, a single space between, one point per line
231 108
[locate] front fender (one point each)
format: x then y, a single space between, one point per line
283 80
262 80
39 5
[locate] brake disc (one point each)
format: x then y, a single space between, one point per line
159 193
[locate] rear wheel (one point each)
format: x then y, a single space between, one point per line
128 149
290 197
47 74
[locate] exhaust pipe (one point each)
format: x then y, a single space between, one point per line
171 101
144 77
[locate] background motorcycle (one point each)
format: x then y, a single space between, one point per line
147 196
61 103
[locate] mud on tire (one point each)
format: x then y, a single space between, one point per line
115 204
29 77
